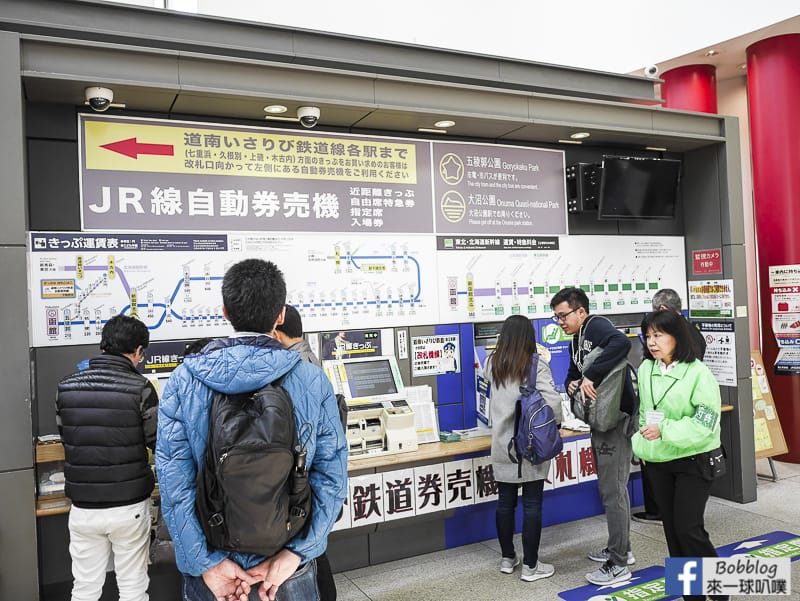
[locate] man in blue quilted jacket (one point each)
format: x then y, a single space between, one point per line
253 296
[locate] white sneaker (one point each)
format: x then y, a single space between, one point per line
602 556
507 564
608 573
542 570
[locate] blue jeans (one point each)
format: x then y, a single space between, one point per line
302 586
532 493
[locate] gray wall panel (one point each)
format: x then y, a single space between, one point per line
15 401
555 108
412 537
259 79
347 551
701 202
451 100
731 181
694 123
19 577
519 73
110 65
12 167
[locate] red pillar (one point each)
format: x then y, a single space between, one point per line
690 88
773 84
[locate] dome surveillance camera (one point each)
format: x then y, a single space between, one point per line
308 116
651 70
99 98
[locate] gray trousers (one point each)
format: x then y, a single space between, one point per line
612 453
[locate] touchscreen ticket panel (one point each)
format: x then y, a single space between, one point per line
365 379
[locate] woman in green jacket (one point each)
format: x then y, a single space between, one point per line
679 422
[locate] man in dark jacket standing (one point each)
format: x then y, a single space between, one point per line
612 448
290 334
107 415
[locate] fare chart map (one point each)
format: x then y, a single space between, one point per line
490 278
172 281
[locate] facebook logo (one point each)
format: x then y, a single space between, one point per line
684 576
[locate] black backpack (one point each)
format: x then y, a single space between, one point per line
253 494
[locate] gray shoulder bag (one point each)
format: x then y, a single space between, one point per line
603 413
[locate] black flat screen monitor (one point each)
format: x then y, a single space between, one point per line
635 188
370 378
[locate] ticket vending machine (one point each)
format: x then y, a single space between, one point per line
379 418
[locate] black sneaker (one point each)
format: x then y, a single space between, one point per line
646 518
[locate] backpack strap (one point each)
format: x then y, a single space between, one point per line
512 444
534 370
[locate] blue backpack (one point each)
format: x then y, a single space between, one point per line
536 435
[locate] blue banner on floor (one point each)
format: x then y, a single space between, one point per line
648 584
772 544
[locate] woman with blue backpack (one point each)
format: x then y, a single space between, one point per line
509 369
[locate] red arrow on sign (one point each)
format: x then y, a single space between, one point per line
132 148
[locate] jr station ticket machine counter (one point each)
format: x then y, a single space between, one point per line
379 418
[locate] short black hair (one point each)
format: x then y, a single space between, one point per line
192 348
253 293
669 322
574 297
123 334
292 325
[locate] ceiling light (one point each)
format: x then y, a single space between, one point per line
580 135
444 124
275 109
570 142
743 66
656 148
712 53
430 130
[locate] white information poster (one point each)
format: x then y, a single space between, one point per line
720 355
711 299
434 355
784 287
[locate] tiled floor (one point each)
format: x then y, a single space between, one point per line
470 573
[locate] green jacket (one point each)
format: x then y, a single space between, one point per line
688 395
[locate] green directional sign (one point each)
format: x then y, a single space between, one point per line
788 548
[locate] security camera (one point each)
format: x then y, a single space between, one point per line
308 116
98 98
651 71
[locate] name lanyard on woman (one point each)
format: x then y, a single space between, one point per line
652 392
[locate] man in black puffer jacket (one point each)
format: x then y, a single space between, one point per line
107 415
